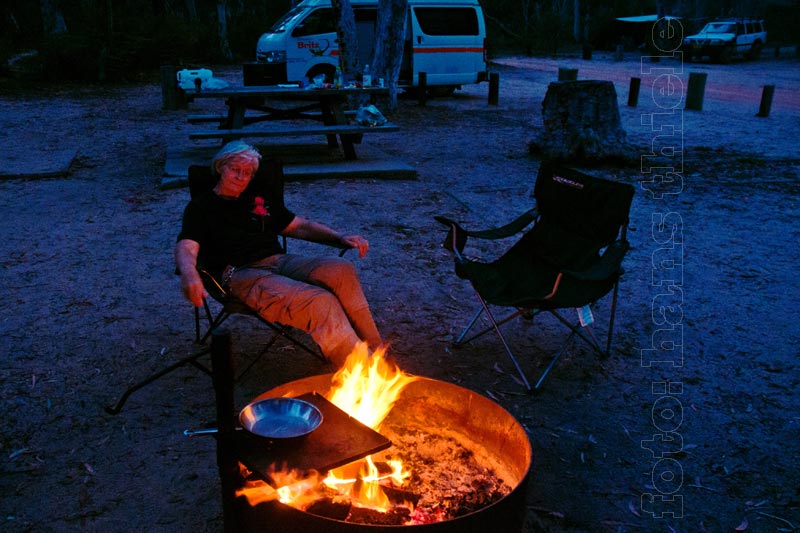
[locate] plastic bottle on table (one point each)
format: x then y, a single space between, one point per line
366 79
337 80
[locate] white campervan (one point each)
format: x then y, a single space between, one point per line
446 39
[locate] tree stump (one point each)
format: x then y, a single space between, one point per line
581 122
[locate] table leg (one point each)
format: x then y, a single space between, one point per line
333 114
329 118
236 111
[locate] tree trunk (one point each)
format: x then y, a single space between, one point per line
576 21
390 34
582 123
222 19
52 19
346 33
191 10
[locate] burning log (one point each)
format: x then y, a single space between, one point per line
333 507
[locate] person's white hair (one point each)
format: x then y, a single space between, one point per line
235 151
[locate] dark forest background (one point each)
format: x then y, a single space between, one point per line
118 40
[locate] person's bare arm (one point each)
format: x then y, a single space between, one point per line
300 228
185 252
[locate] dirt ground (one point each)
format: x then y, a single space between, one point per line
91 305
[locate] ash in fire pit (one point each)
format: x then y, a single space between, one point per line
448 480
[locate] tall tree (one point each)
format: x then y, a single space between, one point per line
346 34
390 33
52 19
222 21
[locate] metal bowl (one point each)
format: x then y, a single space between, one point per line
280 418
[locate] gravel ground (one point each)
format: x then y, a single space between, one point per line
91 305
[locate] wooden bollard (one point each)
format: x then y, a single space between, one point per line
696 91
171 97
766 101
567 74
494 88
422 88
633 92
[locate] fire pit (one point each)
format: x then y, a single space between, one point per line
458 426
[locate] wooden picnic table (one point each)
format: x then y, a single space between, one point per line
251 105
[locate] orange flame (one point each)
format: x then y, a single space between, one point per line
366 388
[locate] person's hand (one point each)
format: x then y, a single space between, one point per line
358 242
193 289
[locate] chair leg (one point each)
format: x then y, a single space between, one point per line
510 317
474 318
505 344
577 331
192 359
611 319
553 360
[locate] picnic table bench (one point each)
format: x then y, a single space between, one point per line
350 134
254 104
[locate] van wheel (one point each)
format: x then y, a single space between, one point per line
328 70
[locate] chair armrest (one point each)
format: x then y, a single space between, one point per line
607 265
457 236
212 285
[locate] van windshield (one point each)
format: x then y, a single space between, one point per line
291 15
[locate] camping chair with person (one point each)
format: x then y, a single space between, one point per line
268 182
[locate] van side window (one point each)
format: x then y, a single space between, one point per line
320 21
447 20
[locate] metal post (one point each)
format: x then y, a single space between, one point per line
494 88
696 91
618 53
766 101
422 87
633 92
222 375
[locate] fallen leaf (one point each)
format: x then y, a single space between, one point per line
16 453
743 525
632 509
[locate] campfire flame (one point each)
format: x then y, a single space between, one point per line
366 388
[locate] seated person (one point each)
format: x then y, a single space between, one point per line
235 237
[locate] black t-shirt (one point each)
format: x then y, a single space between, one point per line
231 231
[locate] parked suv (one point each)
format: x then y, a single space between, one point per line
722 40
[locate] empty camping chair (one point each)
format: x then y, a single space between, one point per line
569 258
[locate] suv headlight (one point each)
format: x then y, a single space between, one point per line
273 56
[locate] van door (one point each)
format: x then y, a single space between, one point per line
312 48
448 44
